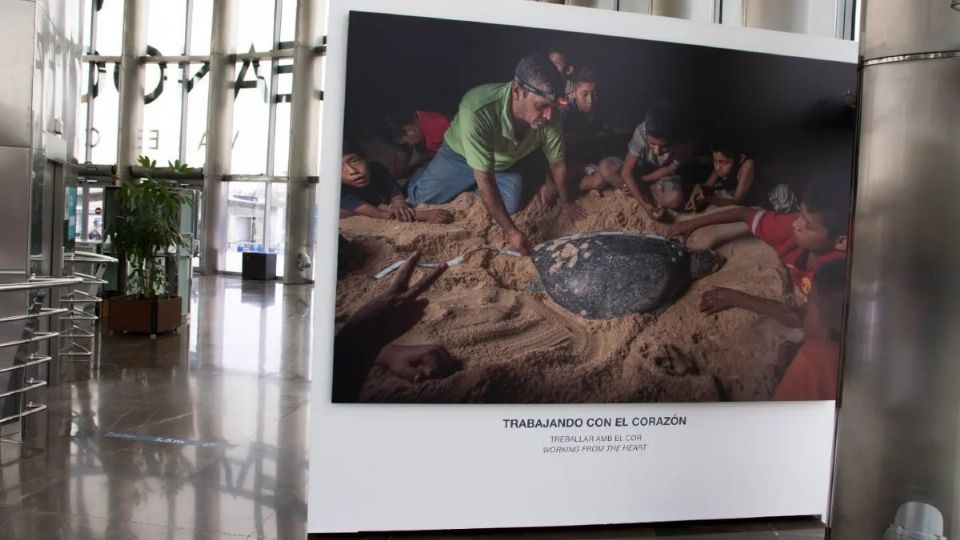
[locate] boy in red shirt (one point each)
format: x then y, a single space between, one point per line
418 131
803 240
813 372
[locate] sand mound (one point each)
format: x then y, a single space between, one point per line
517 345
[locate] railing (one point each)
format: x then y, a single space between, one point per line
27 357
79 335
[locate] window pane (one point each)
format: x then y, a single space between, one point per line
166 26
245 221
161 117
255 25
197 118
250 122
200 24
110 27
288 20
278 218
106 107
282 140
94 220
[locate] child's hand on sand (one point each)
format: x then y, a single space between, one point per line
719 299
419 362
680 231
437 215
402 211
696 199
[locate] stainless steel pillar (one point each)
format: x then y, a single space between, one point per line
304 145
132 81
219 136
899 421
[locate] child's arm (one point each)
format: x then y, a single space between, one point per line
626 174
401 210
371 211
662 172
697 195
684 229
435 215
721 298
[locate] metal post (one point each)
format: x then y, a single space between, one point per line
898 434
304 145
132 80
219 135
184 81
92 72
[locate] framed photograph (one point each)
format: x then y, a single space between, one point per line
561 227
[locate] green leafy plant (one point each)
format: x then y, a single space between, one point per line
147 227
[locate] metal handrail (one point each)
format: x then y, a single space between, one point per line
90 257
38 336
31 408
39 282
34 360
44 312
90 280
33 385
86 298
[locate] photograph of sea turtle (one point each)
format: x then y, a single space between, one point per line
538 216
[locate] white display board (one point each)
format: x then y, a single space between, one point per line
376 467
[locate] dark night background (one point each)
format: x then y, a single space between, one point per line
790 112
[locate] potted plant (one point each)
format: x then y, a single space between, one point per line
144 231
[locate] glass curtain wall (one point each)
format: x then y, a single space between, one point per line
177 89
175 104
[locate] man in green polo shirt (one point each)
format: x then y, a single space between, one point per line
495 127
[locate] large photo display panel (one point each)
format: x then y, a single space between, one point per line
648 401
622 220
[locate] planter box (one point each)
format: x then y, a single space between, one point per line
128 314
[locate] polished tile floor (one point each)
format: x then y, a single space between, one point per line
203 435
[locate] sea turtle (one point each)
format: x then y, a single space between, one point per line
604 275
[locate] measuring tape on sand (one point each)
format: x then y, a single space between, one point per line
503 251
460 259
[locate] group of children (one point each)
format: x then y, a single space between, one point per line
663 169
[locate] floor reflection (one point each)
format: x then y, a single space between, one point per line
203 434
194 435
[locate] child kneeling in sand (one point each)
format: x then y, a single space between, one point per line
803 240
730 181
366 187
813 372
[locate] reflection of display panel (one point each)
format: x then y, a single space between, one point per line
516 339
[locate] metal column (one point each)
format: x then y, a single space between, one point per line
304 145
132 81
897 473
219 135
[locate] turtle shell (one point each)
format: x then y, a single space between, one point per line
605 275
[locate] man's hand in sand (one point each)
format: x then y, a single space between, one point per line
572 211
720 299
391 313
548 194
402 211
518 242
418 363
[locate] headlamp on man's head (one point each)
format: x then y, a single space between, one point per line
556 101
